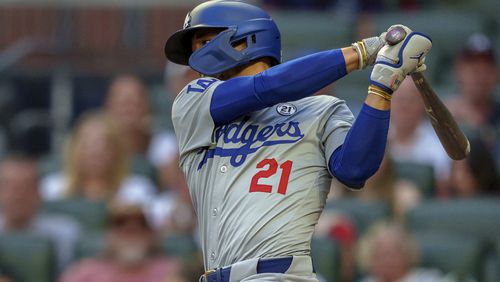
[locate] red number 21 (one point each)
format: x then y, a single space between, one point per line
272 168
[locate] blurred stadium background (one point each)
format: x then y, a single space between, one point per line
89 159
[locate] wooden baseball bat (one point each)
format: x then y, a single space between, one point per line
452 138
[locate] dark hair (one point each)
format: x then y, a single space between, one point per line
478 47
483 167
21 158
18 157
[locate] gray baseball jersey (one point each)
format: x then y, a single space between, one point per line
258 184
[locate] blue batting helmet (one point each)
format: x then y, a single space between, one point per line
239 21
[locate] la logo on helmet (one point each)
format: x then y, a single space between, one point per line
187 21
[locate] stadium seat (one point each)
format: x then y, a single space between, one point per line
363 213
89 245
490 265
451 253
51 163
29 125
325 254
27 257
90 214
490 271
140 165
498 259
179 245
419 174
493 273
474 217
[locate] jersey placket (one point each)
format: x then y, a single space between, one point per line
217 194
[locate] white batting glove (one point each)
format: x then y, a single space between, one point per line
395 62
368 48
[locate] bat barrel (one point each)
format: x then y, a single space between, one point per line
452 138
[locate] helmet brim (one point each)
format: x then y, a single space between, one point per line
178 46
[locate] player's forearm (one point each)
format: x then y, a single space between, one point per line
351 59
289 81
363 149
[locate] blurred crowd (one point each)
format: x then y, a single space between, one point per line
111 158
116 208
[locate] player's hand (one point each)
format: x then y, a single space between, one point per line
395 62
367 50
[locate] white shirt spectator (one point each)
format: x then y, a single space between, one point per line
163 149
425 148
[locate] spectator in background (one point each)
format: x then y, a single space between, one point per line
172 210
475 105
477 75
96 165
19 205
389 254
128 103
381 186
131 253
164 152
5 278
177 77
339 227
412 138
384 186
476 175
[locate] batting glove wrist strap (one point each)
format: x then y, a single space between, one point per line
367 50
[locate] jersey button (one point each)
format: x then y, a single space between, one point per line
214 212
223 169
212 256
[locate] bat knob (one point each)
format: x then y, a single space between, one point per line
467 150
395 35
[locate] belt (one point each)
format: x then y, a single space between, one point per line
274 265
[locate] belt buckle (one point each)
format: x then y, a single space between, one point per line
205 276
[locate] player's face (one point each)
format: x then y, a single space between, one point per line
130 238
204 36
477 79
18 193
94 150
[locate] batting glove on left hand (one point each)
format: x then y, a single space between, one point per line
368 48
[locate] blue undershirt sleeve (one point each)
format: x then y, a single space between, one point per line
363 149
290 81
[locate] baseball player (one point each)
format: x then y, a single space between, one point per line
258 151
